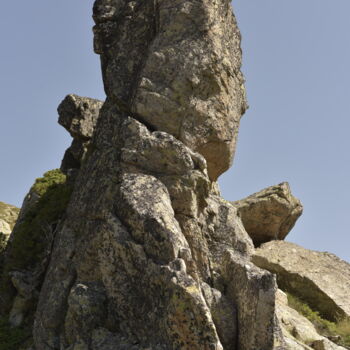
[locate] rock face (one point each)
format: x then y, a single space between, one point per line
321 279
147 255
142 252
78 115
269 214
175 65
146 242
8 217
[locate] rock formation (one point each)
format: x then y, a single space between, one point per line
78 115
8 217
133 248
269 214
147 254
175 66
321 279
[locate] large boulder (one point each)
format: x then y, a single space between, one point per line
321 279
175 65
269 214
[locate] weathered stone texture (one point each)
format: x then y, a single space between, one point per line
147 254
78 115
8 217
144 227
176 66
321 279
269 214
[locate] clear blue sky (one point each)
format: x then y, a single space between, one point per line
296 62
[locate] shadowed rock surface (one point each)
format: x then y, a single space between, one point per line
321 279
269 214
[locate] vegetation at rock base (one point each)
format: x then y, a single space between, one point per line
13 338
324 327
33 236
34 232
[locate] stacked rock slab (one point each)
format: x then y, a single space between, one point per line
149 256
320 279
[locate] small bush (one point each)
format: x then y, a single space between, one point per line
323 327
50 178
33 236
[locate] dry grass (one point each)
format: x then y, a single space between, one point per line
324 327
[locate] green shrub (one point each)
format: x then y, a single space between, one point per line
33 236
50 178
323 327
13 338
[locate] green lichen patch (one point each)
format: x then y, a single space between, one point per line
324 327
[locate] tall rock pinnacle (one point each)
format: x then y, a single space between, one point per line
147 255
175 65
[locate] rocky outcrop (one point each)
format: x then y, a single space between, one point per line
175 65
142 252
78 115
147 255
152 245
8 217
321 279
269 214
